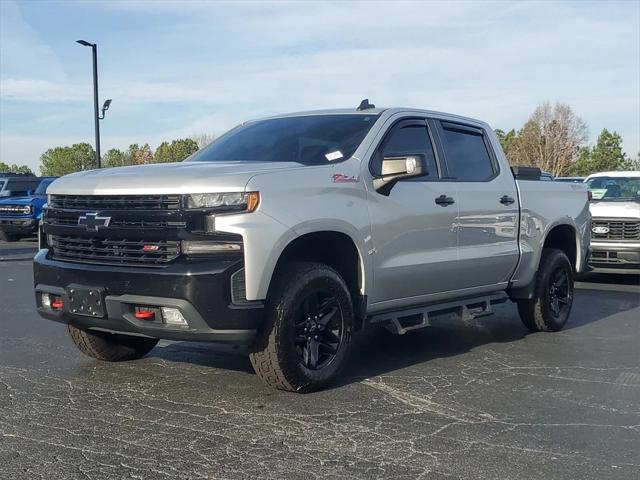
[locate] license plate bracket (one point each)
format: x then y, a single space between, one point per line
86 301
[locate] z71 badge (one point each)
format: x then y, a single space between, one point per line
342 178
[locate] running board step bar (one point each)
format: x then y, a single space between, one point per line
403 321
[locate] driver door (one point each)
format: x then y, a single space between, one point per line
415 239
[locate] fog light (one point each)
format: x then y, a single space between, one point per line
45 299
172 316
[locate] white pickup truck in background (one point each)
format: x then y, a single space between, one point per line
615 224
290 233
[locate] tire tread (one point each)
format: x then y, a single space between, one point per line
267 359
531 311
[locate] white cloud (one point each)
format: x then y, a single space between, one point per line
495 61
26 149
36 90
22 50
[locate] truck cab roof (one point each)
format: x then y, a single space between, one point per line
377 111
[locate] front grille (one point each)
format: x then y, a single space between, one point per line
115 202
618 229
72 220
114 251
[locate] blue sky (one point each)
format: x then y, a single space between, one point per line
179 68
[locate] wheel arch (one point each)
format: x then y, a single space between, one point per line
333 247
563 235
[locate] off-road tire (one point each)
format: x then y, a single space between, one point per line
274 354
7 237
537 314
111 347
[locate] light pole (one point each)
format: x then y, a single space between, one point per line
105 107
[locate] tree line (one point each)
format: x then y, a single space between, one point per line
13 168
554 139
59 161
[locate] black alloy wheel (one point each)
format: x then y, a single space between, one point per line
559 294
319 329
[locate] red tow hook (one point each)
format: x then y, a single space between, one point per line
57 304
144 313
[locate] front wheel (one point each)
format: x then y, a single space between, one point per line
549 310
111 347
305 341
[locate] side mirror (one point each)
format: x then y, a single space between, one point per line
29 193
396 168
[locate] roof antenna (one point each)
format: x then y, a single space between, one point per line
365 105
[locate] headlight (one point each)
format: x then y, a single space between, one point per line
16 209
224 202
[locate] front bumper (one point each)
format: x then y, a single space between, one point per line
615 257
22 226
200 291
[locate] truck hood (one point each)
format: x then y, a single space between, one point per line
165 178
19 200
615 209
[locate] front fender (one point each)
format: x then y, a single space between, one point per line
264 240
362 243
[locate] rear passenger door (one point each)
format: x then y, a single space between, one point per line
487 202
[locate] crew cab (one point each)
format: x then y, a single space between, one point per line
19 216
615 224
289 234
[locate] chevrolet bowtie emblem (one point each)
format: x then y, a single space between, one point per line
93 222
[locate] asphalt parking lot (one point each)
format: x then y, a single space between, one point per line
480 399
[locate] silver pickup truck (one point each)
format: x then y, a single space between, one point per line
289 234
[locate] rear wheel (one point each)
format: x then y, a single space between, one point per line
111 347
549 310
306 338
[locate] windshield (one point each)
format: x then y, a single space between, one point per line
310 140
614 189
42 188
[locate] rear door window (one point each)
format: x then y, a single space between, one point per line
466 153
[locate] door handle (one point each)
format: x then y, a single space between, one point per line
506 200
444 201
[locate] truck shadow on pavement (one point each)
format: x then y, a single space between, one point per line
224 357
377 352
380 353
